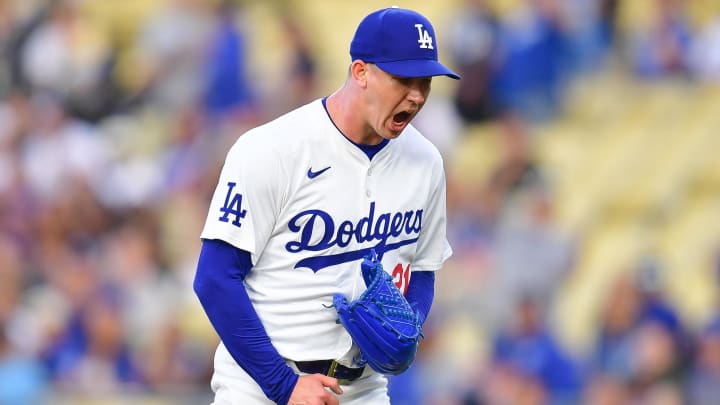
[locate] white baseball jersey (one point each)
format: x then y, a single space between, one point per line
308 204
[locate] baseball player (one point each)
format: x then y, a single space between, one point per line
301 201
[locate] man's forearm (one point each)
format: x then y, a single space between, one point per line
221 291
421 292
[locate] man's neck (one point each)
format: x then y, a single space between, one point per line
347 115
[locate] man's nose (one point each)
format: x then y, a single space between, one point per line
417 95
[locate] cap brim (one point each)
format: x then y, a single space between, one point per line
417 68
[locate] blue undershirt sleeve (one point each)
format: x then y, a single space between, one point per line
421 291
219 286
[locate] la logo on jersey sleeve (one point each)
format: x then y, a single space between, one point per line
232 210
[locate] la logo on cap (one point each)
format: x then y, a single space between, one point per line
425 40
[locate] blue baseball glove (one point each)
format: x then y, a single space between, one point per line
381 321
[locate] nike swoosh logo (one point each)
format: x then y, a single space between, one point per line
312 174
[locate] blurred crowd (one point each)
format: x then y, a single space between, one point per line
112 137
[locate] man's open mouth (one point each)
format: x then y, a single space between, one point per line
401 117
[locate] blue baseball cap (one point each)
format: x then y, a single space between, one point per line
400 42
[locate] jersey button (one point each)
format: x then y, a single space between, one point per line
369 172
367 193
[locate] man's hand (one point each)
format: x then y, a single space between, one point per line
310 390
381 322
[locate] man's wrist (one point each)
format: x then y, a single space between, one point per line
286 384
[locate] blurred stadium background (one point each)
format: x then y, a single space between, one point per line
583 192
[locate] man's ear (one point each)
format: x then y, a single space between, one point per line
359 72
